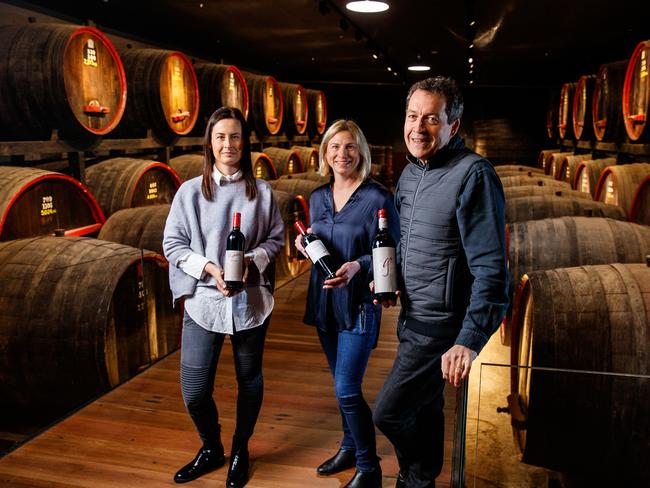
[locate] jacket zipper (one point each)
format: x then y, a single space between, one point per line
408 237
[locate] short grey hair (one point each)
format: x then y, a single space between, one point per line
448 88
350 126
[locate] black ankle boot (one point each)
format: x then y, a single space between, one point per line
342 460
238 470
206 460
366 479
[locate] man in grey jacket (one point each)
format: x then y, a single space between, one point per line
453 263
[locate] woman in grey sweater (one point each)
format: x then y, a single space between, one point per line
195 245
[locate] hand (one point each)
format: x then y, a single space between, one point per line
456 364
217 273
343 275
299 245
384 303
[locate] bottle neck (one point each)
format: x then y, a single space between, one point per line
383 223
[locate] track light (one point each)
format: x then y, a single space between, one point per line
367 6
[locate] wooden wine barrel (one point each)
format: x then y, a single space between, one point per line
565 111
291 263
544 159
286 161
636 94
80 316
187 166
607 114
539 180
317 120
220 85
163 94
515 169
568 323
312 176
568 166
555 161
266 105
295 186
34 202
140 227
530 190
582 114
549 206
309 156
296 111
618 183
126 182
588 173
56 76
263 166
640 211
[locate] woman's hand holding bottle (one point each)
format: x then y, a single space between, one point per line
343 275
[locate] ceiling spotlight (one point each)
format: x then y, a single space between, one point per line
472 23
367 6
471 82
419 66
389 68
471 46
470 60
374 56
395 73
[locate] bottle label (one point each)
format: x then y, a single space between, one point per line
234 268
316 250
383 267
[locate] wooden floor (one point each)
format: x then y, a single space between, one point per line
139 434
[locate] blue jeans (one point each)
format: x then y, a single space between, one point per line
347 354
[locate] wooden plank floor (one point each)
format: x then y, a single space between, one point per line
139 434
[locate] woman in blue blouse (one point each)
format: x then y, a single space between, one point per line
344 215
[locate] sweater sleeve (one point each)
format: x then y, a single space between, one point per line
274 239
481 221
176 236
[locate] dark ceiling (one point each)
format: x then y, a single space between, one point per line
533 43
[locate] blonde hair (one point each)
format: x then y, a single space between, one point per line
343 125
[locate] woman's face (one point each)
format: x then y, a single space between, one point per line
343 154
227 145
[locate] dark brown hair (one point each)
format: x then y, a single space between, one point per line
448 88
245 163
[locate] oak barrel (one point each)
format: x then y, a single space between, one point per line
34 202
163 95
549 206
530 190
568 166
544 159
80 316
640 211
636 93
514 169
555 161
310 175
292 207
263 166
607 113
588 173
582 113
565 111
317 119
618 183
539 180
266 105
127 182
296 110
220 85
140 227
286 161
583 320
63 77
187 166
309 156
296 186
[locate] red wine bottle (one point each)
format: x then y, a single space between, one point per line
234 267
316 251
383 261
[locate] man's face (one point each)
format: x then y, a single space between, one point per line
426 129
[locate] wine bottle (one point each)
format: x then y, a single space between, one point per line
234 267
383 261
316 251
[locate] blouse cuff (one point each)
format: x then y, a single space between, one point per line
193 264
260 258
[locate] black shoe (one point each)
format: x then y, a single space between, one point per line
342 460
238 470
206 460
366 479
401 481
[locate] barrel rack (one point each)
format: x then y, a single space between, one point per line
31 152
613 148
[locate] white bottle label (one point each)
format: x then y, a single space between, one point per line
316 250
234 268
383 267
